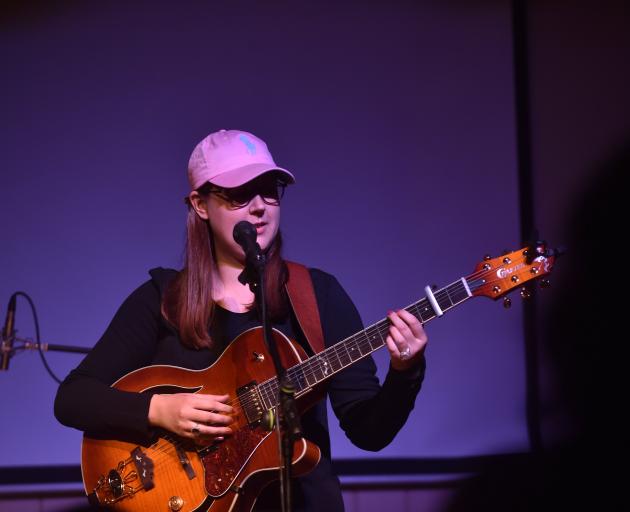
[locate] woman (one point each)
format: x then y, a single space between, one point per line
165 321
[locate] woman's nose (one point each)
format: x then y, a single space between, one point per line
256 205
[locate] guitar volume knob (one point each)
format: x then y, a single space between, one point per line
175 503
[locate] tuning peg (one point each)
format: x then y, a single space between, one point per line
507 302
525 293
545 283
487 257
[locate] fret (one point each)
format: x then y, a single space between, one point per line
325 366
459 294
374 337
425 311
352 346
333 359
364 344
273 391
443 299
308 372
344 356
317 371
263 390
447 291
446 298
383 330
297 378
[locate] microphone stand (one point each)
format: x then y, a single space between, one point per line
288 424
28 344
7 348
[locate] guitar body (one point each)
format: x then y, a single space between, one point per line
173 473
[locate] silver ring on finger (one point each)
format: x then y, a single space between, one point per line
405 353
195 430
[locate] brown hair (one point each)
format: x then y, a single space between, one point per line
187 302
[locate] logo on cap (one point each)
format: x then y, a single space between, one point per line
251 148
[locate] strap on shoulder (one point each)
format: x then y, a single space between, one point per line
302 297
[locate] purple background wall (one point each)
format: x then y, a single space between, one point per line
397 119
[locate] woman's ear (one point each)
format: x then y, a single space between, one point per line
199 204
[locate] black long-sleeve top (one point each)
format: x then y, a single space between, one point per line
138 336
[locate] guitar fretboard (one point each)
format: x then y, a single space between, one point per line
332 360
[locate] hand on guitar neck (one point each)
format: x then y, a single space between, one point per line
204 418
406 340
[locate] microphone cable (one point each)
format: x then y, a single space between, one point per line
37 337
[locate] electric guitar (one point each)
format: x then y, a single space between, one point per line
175 474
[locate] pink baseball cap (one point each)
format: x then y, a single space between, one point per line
230 158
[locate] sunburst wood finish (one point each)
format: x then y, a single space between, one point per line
240 467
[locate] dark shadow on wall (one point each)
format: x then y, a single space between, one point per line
16 13
585 334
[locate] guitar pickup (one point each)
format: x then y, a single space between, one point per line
250 402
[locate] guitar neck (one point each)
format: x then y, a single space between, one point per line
332 360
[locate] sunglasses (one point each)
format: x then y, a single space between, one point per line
271 192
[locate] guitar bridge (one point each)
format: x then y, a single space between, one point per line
130 476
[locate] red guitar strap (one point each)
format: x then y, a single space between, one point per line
302 297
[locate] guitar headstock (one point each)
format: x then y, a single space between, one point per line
496 277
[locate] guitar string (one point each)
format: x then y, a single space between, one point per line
443 293
365 336
312 369
362 340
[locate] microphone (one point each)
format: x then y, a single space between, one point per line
245 235
7 334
